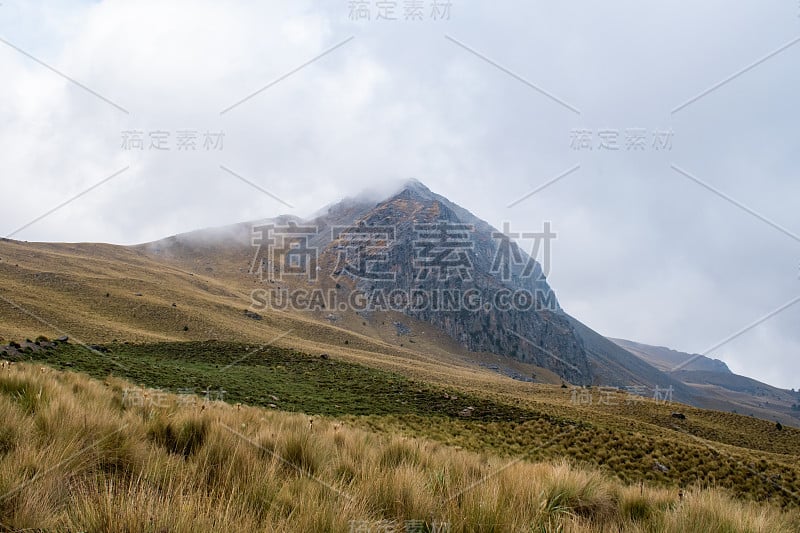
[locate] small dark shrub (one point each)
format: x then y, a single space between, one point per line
185 440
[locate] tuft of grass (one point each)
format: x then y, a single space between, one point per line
8 439
183 438
636 509
24 392
300 454
399 452
579 493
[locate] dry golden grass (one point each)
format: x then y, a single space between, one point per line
89 291
75 456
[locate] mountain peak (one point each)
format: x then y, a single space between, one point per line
413 184
414 188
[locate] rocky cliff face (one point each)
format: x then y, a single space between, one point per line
417 253
443 265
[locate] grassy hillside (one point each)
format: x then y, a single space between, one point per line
197 291
101 293
625 437
174 328
76 454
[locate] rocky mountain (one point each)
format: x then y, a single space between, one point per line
721 388
668 360
614 366
408 275
420 255
453 270
416 254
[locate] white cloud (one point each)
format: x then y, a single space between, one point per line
643 252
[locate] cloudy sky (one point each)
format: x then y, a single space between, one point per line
667 132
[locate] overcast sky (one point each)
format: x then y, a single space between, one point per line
483 104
